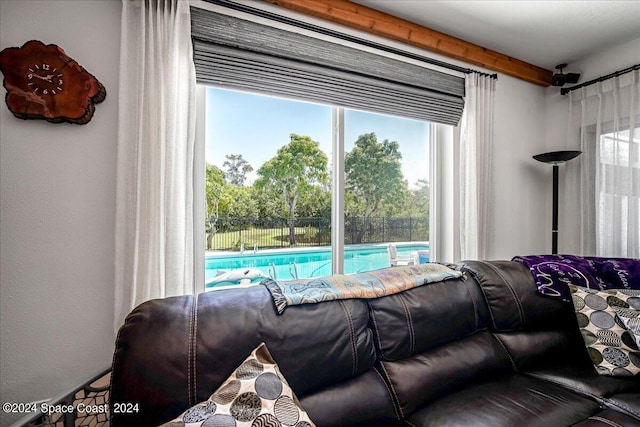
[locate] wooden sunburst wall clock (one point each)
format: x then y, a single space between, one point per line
43 82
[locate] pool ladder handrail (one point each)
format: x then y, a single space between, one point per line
272 270
294 274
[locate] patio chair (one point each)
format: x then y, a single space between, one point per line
394 259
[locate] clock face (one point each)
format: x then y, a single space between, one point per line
43 82
44 79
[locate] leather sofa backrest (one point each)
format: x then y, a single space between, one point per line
535 329
433 339
426 317
513 299
172 353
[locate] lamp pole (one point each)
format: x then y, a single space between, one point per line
556 158
554 226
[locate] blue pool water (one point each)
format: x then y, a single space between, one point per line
306 262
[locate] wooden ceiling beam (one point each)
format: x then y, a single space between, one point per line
382 24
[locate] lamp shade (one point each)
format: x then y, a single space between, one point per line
557 156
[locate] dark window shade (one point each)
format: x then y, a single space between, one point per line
238 54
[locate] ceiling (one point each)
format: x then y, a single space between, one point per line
544 33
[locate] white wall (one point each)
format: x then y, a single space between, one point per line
520 224
557 111
57 184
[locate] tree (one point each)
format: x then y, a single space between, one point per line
214 189
237 169
294 171
315 203
374 178
418 206
240 202
419 199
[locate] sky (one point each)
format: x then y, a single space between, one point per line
257 126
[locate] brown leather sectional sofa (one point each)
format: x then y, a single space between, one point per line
484 350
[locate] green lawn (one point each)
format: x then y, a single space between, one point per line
267 238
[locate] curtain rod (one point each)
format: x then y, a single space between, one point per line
328 32
566 90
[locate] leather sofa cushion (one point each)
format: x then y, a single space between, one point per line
609 418
627 402
151 363
172 353
582 378
364 401
513 400
532 350
513 298
423 377
315 345
426 317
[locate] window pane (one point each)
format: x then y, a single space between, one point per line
386 191
268 190
618 201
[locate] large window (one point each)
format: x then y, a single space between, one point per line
271 182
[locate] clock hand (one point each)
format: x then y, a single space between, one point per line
47 78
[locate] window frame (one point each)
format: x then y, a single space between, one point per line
437 132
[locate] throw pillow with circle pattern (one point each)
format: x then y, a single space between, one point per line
630 317
612 348
255 395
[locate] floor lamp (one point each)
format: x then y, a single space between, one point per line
556 158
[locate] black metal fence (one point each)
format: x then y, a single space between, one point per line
236 233
385 229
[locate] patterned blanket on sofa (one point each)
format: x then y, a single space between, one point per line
372 284
553 273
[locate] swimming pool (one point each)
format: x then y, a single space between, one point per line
284 264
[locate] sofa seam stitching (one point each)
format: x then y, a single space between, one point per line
568 386
189 350
513 363
585 392
512 291
476 313
354 354
605 421
486 300
190 353
377 330
412 333
625 408
195 348
396 400
391 394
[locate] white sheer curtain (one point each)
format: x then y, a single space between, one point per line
604 123
476 139
156 126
